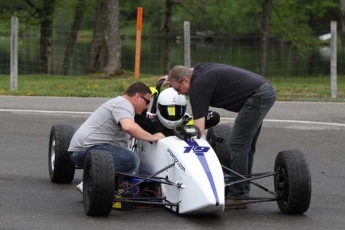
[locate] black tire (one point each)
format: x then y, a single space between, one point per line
98 183
293 183
218 137
61 168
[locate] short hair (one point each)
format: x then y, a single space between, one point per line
178 72
137 87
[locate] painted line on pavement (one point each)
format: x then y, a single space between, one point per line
295 121
231 119
42 111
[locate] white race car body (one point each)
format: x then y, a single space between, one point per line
197 170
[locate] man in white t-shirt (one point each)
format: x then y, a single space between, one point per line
111 126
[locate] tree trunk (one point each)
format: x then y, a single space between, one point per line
46 16
265 30
342 22
73 36
97 48
167 30
114 39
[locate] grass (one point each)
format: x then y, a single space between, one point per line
71 86
288 89
308 89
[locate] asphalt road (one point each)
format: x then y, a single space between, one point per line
28 200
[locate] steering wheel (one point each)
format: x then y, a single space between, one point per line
186 131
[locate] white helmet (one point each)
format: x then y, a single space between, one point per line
171 107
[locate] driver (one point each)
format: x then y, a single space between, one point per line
171 111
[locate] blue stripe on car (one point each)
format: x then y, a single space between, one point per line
203 161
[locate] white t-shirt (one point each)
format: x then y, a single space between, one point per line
103 127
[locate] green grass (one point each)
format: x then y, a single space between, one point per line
71 86
288 89
308 89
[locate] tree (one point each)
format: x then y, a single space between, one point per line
97 48
293 20
265 30
114 39
224 17
167 31
73 35
290 21
45 16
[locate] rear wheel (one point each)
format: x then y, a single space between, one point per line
98 183
293 183
61 168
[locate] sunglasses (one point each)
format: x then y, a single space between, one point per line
146 100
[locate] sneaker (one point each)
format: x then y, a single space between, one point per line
235 204
79 187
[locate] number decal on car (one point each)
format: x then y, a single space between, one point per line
196 149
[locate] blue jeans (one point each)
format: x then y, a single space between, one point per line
244 135
125 161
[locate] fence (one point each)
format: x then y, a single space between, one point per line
242 51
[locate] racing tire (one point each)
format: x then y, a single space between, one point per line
293 183
98 183
61 167
218 137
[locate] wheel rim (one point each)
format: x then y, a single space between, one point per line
282 183
52 155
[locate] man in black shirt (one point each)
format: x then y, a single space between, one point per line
236 90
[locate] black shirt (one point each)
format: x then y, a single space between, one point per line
221 86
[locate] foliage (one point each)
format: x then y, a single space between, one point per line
242 17
292 20
128 9
231 16
19 9
224 17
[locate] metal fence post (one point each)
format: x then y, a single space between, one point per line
14 53
333 59
186 37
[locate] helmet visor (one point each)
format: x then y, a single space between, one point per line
172 112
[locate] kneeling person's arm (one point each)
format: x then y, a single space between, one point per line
133 129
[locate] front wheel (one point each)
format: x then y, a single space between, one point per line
98 183
293 183
218 137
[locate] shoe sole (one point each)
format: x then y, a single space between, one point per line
80 190
227 207
236 204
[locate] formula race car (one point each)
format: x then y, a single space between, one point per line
184 173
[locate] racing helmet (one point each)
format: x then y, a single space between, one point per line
171 108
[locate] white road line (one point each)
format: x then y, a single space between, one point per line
42 111
230 119
295 121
